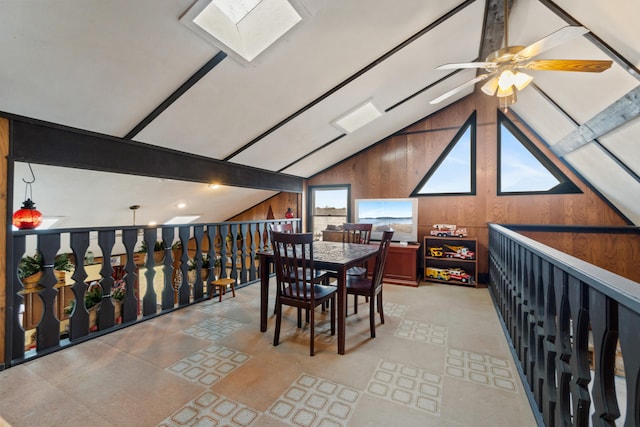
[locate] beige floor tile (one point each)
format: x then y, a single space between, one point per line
440 359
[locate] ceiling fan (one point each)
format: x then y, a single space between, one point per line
504 65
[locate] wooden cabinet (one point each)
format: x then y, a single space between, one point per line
402 261
402 265
451 260
332 235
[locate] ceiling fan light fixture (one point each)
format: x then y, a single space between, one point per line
502 93
506 80
490 87
521 80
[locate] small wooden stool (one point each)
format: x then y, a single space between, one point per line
221 284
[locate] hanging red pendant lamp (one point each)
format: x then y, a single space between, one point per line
27 217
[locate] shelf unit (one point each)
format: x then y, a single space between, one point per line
437 268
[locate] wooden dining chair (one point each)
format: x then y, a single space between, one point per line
360 234
300 285
372 286
286 227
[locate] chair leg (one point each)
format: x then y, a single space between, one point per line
312 327
276 334
355 304
380 308
332 304
372 316
221 291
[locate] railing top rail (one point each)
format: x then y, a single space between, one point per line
143 227
621 289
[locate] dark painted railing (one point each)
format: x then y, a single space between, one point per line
565 319
230 246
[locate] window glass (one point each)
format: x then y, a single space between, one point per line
329 207
523 168
453 173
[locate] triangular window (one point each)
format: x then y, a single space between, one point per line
523 168
455 170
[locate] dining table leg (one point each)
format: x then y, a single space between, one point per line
342 308
264 291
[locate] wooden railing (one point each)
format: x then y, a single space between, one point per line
569 322
150 287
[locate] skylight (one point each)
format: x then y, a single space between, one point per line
357 118
182 219
241 28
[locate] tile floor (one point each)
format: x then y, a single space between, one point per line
440 359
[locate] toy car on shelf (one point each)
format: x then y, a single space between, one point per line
435 252
461 252
448 230
437 273
459 274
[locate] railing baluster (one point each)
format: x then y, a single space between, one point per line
630 348
15 346
184 291
549 388
563 410
167 289
106 311
48 330
198 234
130 304
150 300
79 319
604 324
580 376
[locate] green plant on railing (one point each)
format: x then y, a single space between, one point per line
206 262
157 246
30 265
93 296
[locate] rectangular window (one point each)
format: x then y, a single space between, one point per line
329 206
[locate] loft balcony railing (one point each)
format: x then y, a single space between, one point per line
115 269
574 328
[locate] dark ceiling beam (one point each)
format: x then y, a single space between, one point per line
177 94
38 142
493 32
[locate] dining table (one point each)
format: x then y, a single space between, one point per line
336 257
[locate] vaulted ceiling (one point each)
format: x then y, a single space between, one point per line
133 70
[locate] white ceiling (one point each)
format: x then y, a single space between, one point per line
105 65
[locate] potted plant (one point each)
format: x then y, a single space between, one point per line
30 268
158 252
93 298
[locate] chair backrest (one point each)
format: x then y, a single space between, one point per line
356 233
293 253
381 258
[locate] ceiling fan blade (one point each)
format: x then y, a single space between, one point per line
552 40
456 66
583 65
459 88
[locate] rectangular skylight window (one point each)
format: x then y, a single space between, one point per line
241 28
357 118
182 219
235 10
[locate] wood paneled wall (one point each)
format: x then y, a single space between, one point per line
4 152
618 253
395 166
276 206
